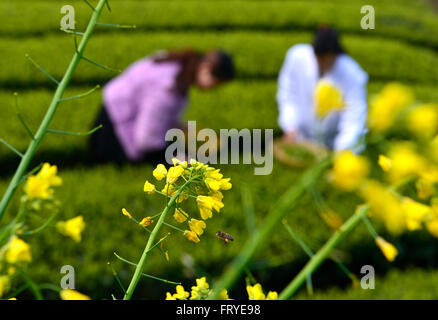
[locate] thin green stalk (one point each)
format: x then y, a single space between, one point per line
280 210
151 240
34 144
43 226
32 285
323 253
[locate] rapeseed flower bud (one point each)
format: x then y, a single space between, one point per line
126 213
160 172
388 250
384 163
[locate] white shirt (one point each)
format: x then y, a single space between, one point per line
298 77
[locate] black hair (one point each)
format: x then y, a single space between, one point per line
223 66
327 41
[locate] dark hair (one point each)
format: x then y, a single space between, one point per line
222 65
327 41
189 60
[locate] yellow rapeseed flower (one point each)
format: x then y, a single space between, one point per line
72 228
349 170
385 206
226 184
146 221
256 293
223 295
423 120
388 250
160 172
37 188
148 187
169 296
173 174
180 215
49 173
192 236
70 294
197 226
415 213
181 294
18 251
205 205
328 98
201 290
405 161
387 105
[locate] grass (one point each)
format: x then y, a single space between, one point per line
258 55
391 18
259 42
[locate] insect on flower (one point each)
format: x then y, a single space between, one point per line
225 237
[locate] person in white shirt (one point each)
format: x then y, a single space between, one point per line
304 66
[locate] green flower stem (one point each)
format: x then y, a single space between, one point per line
323 253
32 285
34 144
151 240
43 226
281 209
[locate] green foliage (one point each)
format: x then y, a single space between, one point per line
257 55
391 18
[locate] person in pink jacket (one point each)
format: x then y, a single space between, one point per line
148 98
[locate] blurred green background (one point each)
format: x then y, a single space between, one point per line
403 47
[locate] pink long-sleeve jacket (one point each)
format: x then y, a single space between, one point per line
143 104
